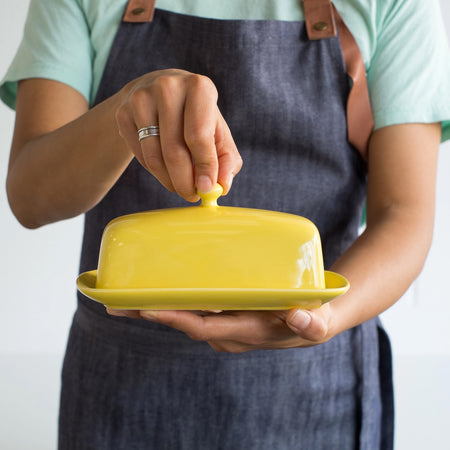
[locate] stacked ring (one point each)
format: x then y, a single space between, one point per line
148 131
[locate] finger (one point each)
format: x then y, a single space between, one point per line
200 121
190 322
309 324
130 313
175 152
230 161
144 110
154 162
138 113
252 328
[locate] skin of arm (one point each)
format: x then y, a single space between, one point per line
52 161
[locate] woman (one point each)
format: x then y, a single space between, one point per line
266 86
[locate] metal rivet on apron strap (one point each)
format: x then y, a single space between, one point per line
139 11
320 18
321 26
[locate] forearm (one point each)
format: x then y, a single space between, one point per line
65 172
389 255
381 265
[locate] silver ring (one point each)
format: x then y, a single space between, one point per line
148 131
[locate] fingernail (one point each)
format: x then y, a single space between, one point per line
150 315
204 183
300 320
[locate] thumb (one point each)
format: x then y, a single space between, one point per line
310 325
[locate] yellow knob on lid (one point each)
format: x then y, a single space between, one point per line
210 198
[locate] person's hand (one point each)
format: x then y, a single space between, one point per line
241 331
195 148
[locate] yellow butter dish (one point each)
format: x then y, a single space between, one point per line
211 257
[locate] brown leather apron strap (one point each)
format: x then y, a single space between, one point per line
359 110
360 123
139 11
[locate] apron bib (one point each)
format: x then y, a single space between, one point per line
139 385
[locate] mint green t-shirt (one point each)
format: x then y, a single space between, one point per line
403 42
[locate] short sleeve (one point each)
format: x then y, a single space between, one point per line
409 73
55 45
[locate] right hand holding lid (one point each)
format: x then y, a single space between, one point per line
194 149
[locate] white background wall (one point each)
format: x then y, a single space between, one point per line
37 276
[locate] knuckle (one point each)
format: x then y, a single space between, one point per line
152 162
121 116
318 334
203 333
232 159
166 85
322 335
205 166
199 137
138 99
188 193
202 83
198 336
175 157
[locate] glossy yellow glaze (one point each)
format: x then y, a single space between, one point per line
213 298
211 257
211 247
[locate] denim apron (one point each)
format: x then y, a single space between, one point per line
132 384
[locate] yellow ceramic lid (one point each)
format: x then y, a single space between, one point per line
211 257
